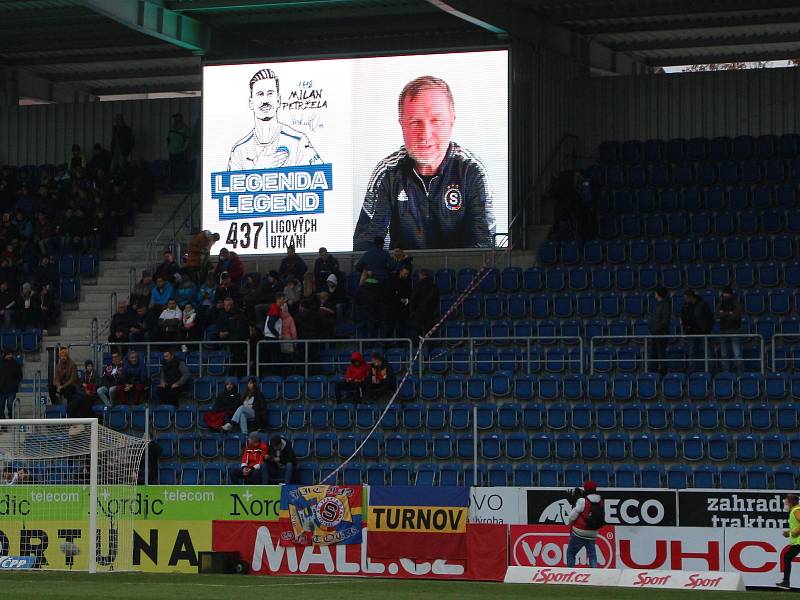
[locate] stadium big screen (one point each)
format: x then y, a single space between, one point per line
337 152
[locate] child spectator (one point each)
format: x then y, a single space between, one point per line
355 377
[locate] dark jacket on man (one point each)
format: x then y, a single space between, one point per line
659 320
10 376
697 318
729 315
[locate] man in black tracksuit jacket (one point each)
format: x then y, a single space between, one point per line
432 193
697 319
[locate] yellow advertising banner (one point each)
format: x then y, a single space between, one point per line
156 546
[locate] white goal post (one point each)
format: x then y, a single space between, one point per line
67 493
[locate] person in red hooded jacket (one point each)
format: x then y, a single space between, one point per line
354 378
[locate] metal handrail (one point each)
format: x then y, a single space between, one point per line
776 338
542 180
551 340
707 359
170 223
204 348
405 342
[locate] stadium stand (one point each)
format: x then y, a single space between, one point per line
552 357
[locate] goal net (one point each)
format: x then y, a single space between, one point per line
67 493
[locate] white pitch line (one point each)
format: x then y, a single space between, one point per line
225 585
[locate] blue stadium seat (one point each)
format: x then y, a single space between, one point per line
325 445
511 279
627 475
427 475
785 477
719 446
731 477
575 475
516 446
694 446
419 446
532 415
773 447
652 476
642 446
541 445
679 477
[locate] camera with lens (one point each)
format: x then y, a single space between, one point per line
574 495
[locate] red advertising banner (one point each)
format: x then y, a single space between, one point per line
258 543
546 546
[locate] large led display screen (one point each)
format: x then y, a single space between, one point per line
339 152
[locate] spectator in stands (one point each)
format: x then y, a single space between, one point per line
141 291
252 458
251 407
141 325
288 335
186 292
255 292
399 295
292 266
8 304
190 329
376 261
337 295
325 266
197 259
232 327
229 262
380 380
659 322
309 287
161 295
122 142
179 139
225 404
174 379
227 289
292 293
729 316
272 327
400 259
10 378
76 160
206 297
119 328
44 231
89 380
168 269
281 461
355 377
29 308
48 307
112 377
46 275
697 320
327 316
65 378
134 380
169 322
23 224
424 304
100 162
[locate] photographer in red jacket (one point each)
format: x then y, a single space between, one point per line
586 518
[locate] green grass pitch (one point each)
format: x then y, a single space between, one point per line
151 586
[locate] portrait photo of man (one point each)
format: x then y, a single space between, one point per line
271 143
431 193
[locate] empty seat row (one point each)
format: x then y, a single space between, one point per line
694 199
635 277
680 225
661 251
743 147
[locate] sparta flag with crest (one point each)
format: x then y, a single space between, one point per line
320 515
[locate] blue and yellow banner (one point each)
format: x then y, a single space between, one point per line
424 523
320 515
